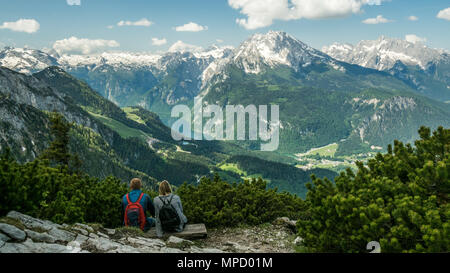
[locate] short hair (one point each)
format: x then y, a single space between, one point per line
135 184
164 188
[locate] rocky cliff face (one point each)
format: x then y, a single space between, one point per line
21 233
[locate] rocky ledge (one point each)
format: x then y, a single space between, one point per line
20 233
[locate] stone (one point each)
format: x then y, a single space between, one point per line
171 250
13 232
4 238
196 249
31 247
145 242
61 235
30 222
124 249
110 231
46 248
103 245
237 247
39 237
74 247
83 226
178 242
102 235
2 243
81 238
80 230
14 248
298 241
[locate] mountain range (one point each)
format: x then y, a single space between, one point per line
360 97
124 142
425 69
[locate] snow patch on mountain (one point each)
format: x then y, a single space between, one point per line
25 60
383 53
270 50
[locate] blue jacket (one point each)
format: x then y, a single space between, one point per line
146 201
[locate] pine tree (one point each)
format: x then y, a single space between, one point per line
58 151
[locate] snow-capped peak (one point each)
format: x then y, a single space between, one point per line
383 53
111 58
269 50
274 48
25 60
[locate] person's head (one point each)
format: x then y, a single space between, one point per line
136 184
164 188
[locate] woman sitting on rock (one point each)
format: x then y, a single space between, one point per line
168 211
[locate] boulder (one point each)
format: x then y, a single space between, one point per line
30 222
39 237
13 232
61 235
4 238
81 238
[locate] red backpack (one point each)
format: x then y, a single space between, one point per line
134 213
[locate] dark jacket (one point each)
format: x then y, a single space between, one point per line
146 202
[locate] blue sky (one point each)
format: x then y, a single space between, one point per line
312 21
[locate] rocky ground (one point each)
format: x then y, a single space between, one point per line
276 237
25 234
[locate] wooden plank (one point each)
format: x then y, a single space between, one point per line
192 231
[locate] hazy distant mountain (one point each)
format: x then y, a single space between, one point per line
425 69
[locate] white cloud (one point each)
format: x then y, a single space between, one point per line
377 20
219 41
110 27
74 2
83 46
412 38
22 25
262 13
144 22
413 18
192 27
180 46
444 14
159 42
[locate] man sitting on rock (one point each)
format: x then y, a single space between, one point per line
135 205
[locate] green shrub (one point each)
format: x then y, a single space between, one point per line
218 203
400 199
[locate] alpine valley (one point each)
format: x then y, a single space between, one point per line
338 105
